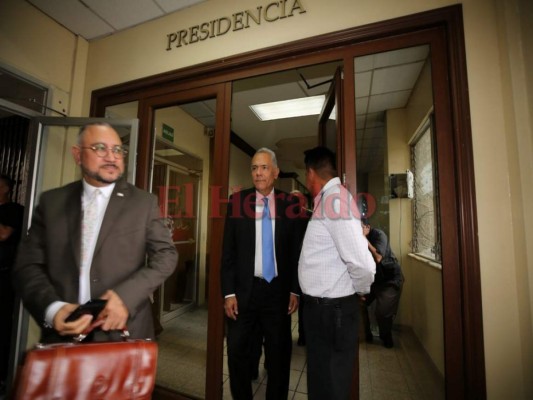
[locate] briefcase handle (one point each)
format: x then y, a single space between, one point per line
125 334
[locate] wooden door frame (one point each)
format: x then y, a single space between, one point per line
443 29
334 98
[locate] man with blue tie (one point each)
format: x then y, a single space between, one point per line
259 277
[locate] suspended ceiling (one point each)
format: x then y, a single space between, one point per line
383 82
93 19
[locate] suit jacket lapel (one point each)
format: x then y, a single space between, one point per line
114 209
247 215
251 221
279 219
74 217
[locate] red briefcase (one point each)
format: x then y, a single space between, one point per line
89 371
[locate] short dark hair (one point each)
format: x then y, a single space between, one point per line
84 128
8 181
322 161
365 221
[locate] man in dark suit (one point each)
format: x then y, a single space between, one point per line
95 238
260 283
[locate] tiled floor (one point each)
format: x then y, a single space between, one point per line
403 372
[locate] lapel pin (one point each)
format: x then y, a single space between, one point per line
120 194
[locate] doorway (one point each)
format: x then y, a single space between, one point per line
441 30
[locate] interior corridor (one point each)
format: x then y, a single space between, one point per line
403 372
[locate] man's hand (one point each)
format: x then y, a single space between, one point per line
71 328
115 314
5 232
293 303
231 308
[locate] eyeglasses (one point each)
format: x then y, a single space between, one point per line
102 150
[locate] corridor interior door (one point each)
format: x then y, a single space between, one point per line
178 189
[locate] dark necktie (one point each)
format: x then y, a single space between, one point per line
269 269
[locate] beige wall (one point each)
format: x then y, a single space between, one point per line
240 175
503 156
425 280
500 75
35 45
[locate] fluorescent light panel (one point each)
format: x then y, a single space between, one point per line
168 152
289 108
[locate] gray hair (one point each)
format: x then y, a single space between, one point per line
269 152
84 128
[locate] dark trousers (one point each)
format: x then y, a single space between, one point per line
301 331
331 336
7 304
387 299
257 351
267 308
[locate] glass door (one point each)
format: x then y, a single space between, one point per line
395 139
177 179
181 160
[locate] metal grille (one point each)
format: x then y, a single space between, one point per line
13 153
426 240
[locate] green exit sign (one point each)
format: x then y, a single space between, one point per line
168 132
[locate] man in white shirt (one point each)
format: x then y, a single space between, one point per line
335 267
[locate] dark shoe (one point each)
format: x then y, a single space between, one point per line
387 342
255 375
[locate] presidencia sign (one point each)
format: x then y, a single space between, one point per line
239 20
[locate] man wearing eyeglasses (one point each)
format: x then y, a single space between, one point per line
97 238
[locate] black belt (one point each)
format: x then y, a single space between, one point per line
263 280
327 301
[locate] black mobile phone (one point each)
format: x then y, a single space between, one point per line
93 307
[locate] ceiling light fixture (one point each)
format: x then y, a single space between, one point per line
289 108
168 152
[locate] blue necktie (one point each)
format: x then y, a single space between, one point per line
269 269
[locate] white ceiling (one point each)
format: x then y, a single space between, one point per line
93 19
383 81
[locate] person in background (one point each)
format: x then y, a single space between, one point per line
335 267
98 237
11 215
259 279
387 286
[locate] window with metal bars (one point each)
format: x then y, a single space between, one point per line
426 229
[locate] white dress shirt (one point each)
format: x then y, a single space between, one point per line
85 269
335 260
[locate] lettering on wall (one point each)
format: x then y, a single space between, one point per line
238 21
